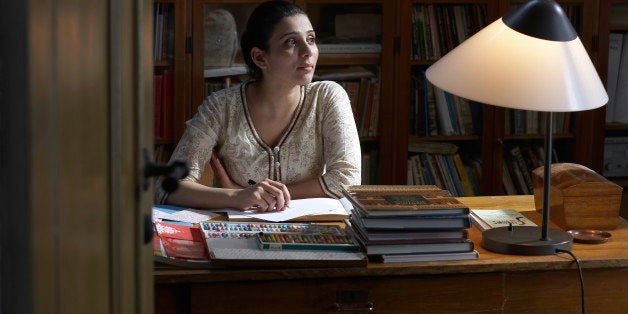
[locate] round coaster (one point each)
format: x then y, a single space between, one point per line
589 236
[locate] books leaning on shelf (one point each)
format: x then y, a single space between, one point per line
620 99
485 219
440 164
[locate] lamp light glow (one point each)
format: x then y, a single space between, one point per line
531 59
502 67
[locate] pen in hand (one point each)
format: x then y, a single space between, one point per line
253 182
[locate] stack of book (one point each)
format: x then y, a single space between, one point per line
399 223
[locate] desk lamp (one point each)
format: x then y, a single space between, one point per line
530 59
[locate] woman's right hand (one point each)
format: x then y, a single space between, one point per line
265 196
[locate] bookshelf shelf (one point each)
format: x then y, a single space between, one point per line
617 126
349 59
422 62
170 78
163 63
541 137
618 28
444 138
368 139
613 18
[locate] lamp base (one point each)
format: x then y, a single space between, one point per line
525 240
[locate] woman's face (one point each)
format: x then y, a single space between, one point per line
292 53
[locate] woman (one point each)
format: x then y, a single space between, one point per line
289 137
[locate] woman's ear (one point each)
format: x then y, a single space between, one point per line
259 57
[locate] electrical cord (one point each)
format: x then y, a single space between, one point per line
558 251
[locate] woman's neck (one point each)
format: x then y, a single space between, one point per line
271 109
274 96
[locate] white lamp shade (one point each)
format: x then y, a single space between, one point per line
502 67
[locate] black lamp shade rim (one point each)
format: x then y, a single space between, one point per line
544 19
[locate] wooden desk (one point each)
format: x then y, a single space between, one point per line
495 283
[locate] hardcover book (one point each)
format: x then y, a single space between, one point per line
403 200
485 219
399 258
399 236
412 222
420 248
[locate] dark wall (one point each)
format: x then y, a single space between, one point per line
15 244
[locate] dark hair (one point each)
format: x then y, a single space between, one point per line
260 27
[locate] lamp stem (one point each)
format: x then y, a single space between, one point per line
546 177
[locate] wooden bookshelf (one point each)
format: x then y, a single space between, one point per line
583 144
376 138
608 24
174 112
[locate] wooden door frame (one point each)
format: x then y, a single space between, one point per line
75 87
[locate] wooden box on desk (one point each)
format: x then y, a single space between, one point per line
579 197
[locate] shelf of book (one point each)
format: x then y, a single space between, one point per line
349 59
169 78
429 29
556 136
617 127
619 16
362 31
444 138
613 43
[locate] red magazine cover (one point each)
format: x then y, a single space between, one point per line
181 241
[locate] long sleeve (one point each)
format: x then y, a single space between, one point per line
342 154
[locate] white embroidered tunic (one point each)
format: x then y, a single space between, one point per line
321 140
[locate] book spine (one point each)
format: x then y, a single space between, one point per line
614 58
444 120
158 105
621 92
516 153
462 173
167 103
